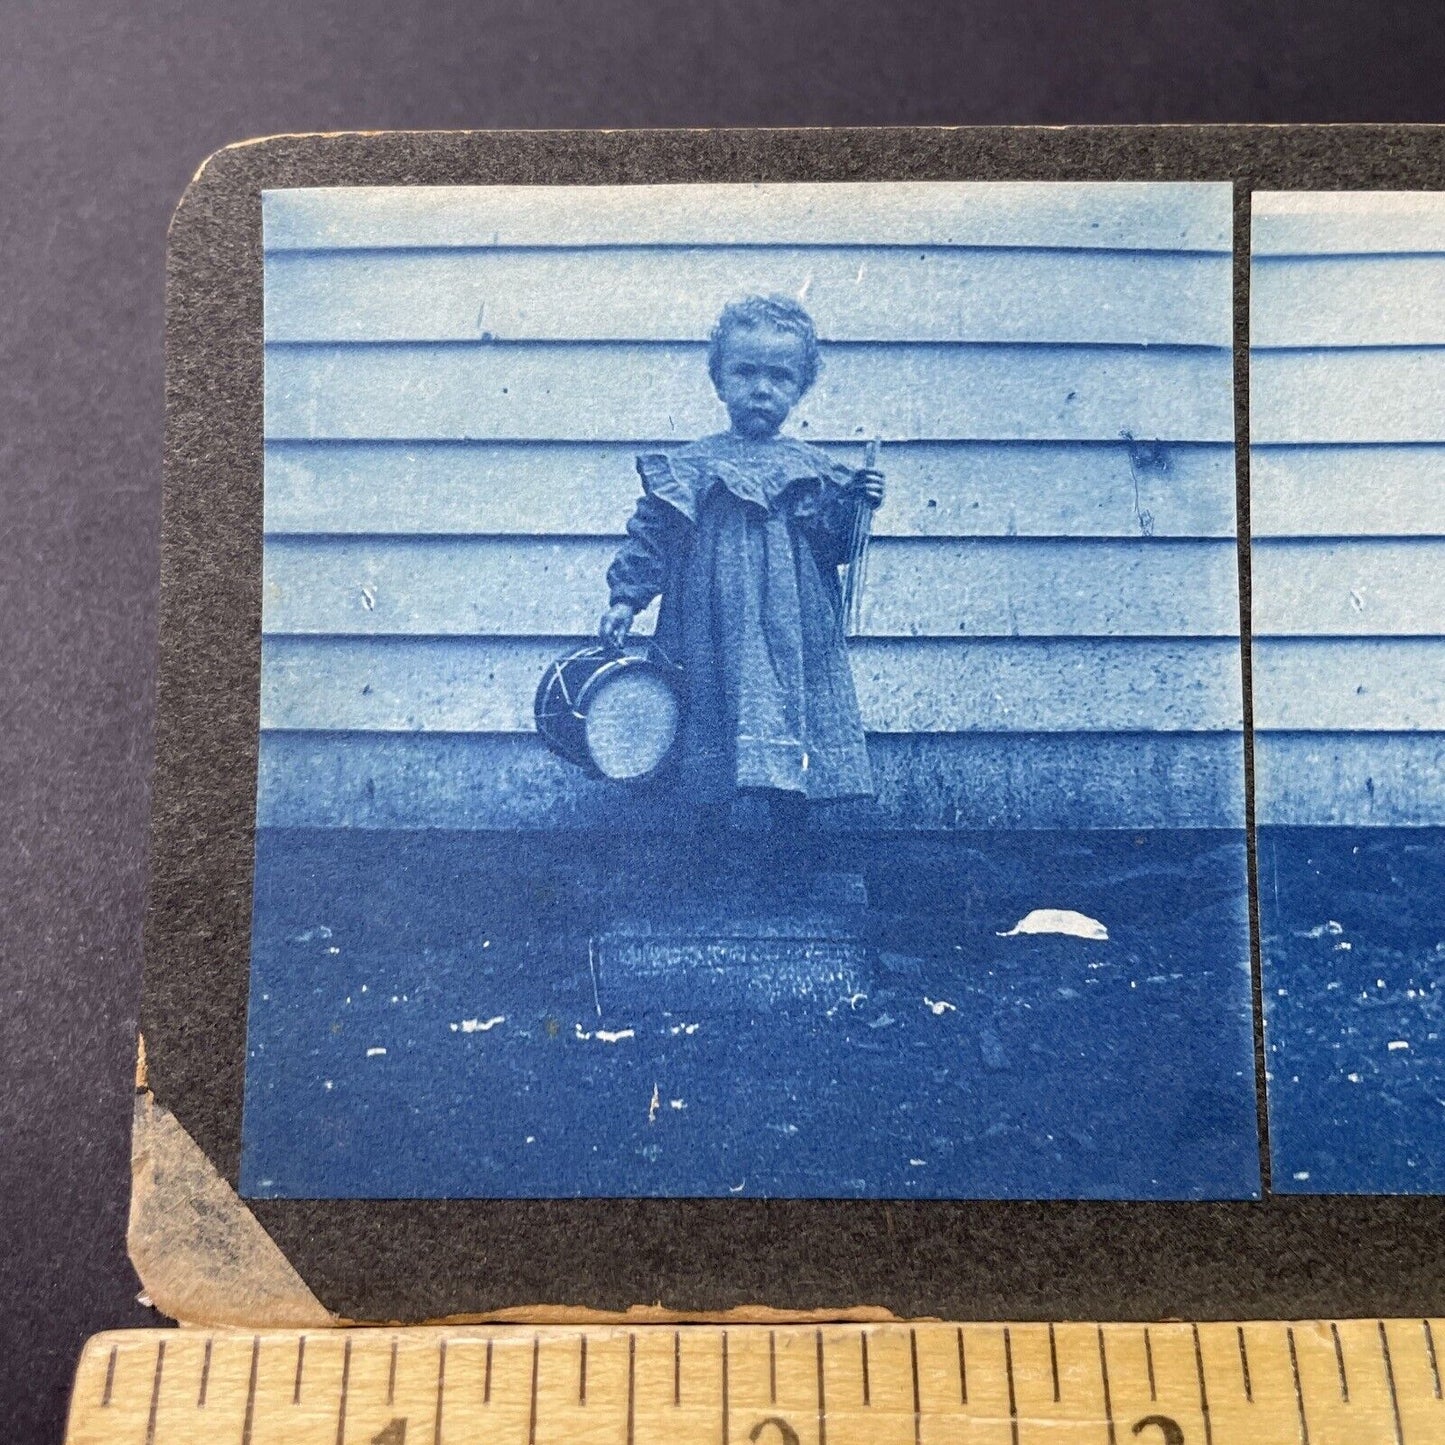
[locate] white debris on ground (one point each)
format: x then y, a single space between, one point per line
654 1106
683 1029
478 1026
374 1053
605 1036
1059 920
939 1005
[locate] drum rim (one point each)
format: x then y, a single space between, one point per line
626 662
574 707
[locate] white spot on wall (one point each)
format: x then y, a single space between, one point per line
940 1006
479 1026
1395 1045
375 1053
654 1106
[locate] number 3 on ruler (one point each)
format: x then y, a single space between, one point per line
394 1434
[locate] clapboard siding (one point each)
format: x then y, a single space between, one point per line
931 781
615 391
935 489
457 383
1129 215
1394 394
1347 586
1366 684
959 588
854 293
1347 223
486 684
1350 779
1347 301
1347 388
1347 491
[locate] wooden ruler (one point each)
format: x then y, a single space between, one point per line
1353 1382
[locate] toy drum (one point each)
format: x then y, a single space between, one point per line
615 714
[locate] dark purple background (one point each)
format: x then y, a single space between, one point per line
105 112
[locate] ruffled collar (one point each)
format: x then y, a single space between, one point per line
759 473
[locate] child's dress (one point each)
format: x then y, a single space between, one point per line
743 540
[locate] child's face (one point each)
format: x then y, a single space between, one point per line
760 378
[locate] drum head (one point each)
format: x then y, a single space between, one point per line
631 715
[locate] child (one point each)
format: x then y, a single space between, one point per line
742 535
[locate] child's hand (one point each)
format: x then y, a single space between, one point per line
615 625
869 483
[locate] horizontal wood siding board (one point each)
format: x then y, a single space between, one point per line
616 391
1371 684
1347 301
1132 215
938 782
984 587
1364 395
1355 587
1311 779
908 685
1347 491
939 489
1318 223
653 294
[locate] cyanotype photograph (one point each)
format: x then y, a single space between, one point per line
1347 387
751 695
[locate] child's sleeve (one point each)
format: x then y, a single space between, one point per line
639 570
827 513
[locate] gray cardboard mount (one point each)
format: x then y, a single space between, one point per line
207 1257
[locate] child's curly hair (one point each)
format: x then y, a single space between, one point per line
781 312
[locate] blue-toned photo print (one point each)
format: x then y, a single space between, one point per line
751 695
1347 461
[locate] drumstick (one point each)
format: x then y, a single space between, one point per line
858 550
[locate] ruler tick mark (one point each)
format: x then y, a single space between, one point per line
391 1375
250 1420
676 1368
1054 1363
822 1402
1013 1404
917 1397
724 1389
1108 1393
631 1385
1203 1389
1340 1363
205 1376
300 1366
110 1376
1149 1365
1430 1353
532 1409
582 1367
345 1385
1244 1365
1299 1394
1390 1380
487 1378
155 1394
773 1368
962 1371
863 1346
436 1433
